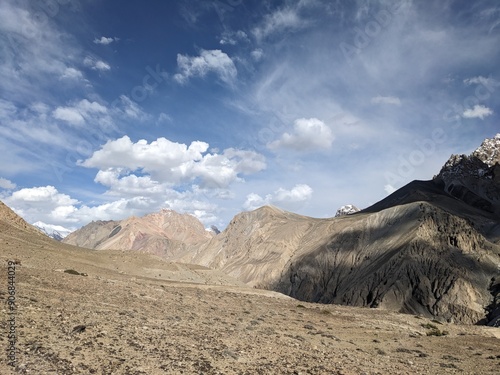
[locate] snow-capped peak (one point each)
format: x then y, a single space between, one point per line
348 209
56 232
489 151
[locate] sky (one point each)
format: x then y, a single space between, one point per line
116 108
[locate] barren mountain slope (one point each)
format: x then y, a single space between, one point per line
423 249
164 233
126 318
257 245
413 258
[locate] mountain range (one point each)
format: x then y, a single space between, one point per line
82 311
430 248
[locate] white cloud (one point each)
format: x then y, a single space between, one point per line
232 38
42 203
95 64
392 100
174 163
69 115
478 111
299 193
80 112
209 61
72 73
7 184
130 109
105 41
488 82
282 197
280 20
257 54
163 117
308 135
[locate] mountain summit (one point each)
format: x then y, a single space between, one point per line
163 233
475 178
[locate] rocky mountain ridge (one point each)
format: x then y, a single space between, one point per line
163 233
475 178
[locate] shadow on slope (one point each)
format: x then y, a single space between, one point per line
421 260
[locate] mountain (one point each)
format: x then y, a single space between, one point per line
431 248
474 179
56 232
81 311
165 233
348 209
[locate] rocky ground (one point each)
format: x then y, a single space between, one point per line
113 322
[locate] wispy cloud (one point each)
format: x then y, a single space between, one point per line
96 64
233 37
280 20
391 100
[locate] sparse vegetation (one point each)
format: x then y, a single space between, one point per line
73 272
437 332
434 330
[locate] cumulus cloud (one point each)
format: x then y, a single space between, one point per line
96 64
105 41
478 111
307 135
282 197
7 184
42 203
214 61
392 100
175 163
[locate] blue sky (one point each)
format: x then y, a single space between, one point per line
117 108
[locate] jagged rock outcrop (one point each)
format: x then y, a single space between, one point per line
165 233
475 178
